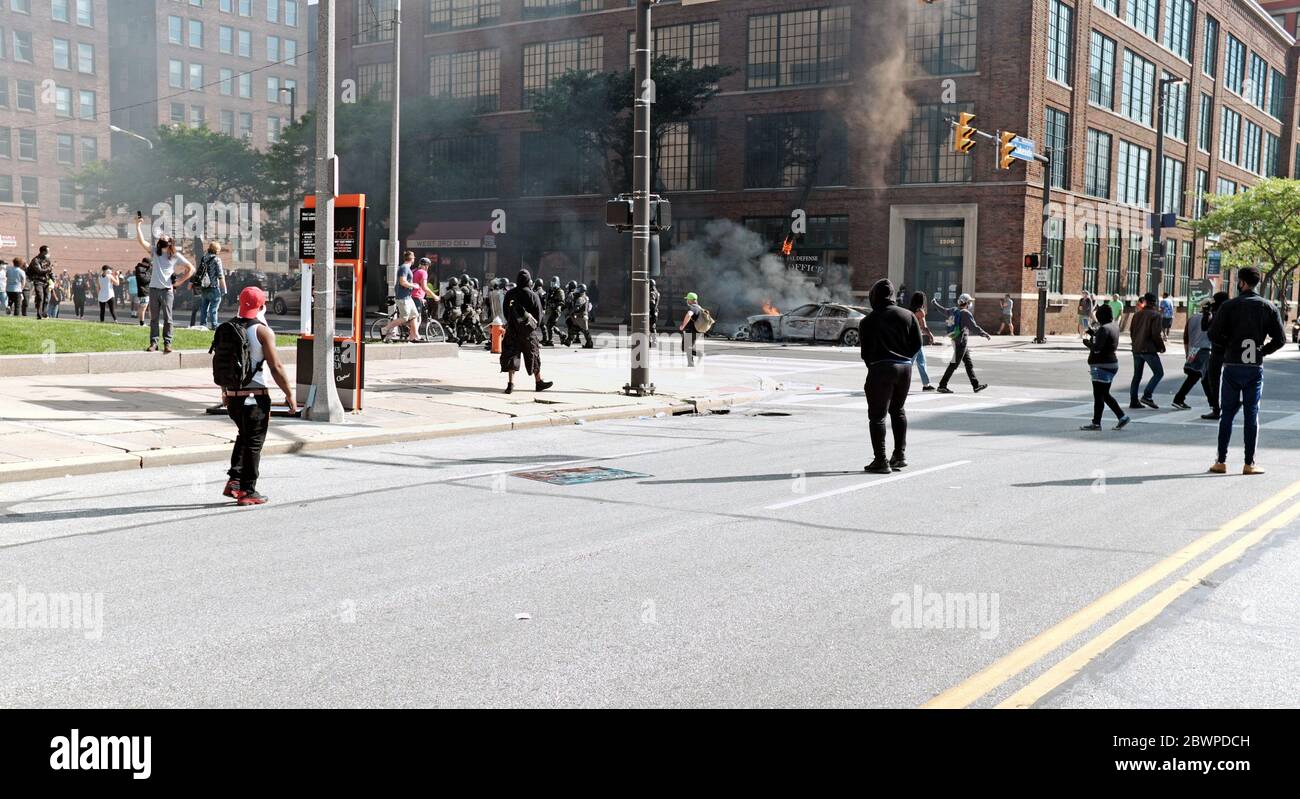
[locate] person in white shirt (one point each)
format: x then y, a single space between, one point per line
162 277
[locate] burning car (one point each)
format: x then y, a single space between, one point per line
828 322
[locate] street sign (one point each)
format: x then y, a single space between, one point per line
1213 263
1024 149
347 239
1040 279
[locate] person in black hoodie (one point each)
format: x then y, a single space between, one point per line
523 338
1103 363
890 338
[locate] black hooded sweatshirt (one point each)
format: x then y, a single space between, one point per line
889 333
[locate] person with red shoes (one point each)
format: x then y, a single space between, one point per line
249 407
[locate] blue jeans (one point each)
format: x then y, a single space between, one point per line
1140 361
208 306
919 360
1241 386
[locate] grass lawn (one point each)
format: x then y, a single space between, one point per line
21 335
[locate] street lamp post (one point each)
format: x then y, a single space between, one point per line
1157 278
393 171
132 134
293 103
325 405
640 384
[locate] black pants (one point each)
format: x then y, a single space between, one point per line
960 354
1102 399
887 386
1211 380
253 421
79 306
109 305
40 298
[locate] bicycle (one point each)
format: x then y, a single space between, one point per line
430 329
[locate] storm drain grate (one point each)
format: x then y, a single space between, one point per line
579 475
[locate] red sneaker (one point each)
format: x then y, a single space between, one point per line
232 490
252 498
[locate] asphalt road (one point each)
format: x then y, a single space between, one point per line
745 561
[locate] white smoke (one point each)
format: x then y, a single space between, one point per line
881 103
735 273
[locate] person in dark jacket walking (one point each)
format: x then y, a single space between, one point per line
1148 343
890 338
523 338
1214 366
1248 329
961 324
1103 363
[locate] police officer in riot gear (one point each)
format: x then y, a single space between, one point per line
555 297
654 312
452 299
579 319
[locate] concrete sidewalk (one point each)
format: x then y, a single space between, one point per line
56 425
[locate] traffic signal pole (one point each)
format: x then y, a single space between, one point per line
639 384
1046 161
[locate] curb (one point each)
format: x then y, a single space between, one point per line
209 453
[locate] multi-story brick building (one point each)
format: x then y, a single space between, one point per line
53 90
842 109
239 67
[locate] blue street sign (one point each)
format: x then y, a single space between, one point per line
1024 148
1213 263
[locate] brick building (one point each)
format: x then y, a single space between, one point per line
239 67
841 109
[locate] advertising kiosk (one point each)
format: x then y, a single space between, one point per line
349 249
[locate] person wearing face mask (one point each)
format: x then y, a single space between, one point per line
961 323
162 278
1102 342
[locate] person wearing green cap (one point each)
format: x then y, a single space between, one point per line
687 328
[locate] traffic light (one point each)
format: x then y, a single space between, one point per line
1031 260
963 135
1005 149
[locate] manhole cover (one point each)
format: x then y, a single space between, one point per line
578 475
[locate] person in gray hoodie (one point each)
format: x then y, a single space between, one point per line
1196 340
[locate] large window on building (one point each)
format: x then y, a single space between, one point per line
1180 18
1230 136
1185 268
546 61
1172 191
1143 15
1134 167
1257 91
534 9
464 168
1205 123
1096 172
374 21
1234 64
1091 257
1133 280
1250 151
557 166
376 80
799 48
1210 51
1114 257
1060 39
696 42
1101 71
454 14
794 150
943 36
1272 156
926 155
1056 254
1276 94
1057 133
1176 111
687 156
1135 98
474 76
1200 191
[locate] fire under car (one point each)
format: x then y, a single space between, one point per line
823 322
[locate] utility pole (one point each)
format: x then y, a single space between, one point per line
293 103
1156 278
394 249
325 405
640 384
1046 161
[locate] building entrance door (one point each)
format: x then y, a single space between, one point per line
937 266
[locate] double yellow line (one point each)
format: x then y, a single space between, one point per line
1027 654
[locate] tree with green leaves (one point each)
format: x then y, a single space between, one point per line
593 111
1257 227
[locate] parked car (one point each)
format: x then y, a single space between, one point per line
288 300
815 322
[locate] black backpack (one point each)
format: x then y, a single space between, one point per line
232 359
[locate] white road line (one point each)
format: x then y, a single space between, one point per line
849 489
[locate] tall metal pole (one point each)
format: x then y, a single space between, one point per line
639 384
393 171
1156 278
325 405
1046 161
